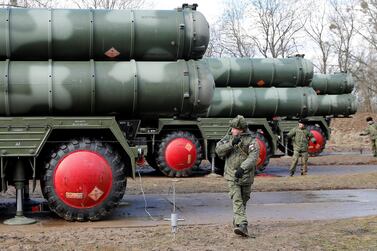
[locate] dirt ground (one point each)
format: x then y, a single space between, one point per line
157 185
350 234
345 133
327 160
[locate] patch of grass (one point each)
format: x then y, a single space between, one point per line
348 234
154 185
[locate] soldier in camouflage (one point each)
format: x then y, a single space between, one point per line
241 152
371 130
300 139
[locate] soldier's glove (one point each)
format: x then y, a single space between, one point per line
239 173
236 140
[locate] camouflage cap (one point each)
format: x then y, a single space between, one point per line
238 122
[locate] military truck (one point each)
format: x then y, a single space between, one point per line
72 124
334 100
79 126
83 97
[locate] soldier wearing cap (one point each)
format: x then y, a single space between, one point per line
300 139
241 152
371 130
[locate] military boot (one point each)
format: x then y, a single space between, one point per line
291 173
242 230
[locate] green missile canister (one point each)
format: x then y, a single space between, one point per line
83 34
260 72
263 102
130 89
337 83
336 105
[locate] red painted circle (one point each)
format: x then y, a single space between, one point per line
83 179
320 141
262 152
180 154
140 162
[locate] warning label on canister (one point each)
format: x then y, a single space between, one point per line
112 53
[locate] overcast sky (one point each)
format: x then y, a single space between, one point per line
210 8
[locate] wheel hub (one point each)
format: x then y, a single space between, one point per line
180 154
262 152
316 147
83 179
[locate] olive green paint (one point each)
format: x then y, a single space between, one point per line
83 34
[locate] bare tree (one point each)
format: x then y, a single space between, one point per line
215 46
278 23
353 36
229 36
317 29
109 4
367 74
32 3
369 30
366 78
342 27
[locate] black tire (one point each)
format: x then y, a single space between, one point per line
161 162
152 162
262 167
151 158
43 185
98 211
219 165
318 129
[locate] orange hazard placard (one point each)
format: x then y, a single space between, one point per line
95 194
112 53
261 83
188 147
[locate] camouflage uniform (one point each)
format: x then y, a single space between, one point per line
242 155
300 140
371 130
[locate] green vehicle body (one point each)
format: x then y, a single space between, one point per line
28 137
33 137
208 130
